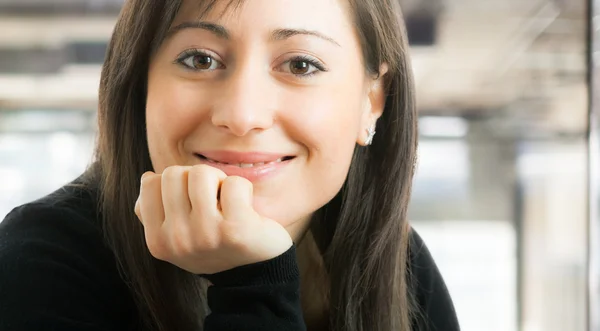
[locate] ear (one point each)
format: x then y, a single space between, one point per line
374 105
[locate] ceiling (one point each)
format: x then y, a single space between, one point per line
520 62
523 61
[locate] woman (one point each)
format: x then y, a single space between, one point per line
252 172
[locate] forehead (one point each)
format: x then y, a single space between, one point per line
247 16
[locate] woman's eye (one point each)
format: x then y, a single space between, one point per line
302 67
200 62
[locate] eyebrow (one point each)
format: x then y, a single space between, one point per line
221 32
282 34
216 29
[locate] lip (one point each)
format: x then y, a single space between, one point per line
240 157
254 174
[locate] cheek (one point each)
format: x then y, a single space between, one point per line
331 149
170 117
326 127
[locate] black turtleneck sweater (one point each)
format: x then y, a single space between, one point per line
56 273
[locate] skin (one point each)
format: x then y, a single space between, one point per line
249 92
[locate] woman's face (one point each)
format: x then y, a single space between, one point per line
275 91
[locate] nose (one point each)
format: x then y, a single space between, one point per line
243 106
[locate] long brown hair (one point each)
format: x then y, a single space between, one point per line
362 234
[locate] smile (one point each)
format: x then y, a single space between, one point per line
252 166
247 165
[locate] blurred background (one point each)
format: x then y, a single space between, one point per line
501 191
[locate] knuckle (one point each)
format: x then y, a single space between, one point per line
137 209
201 215
207 243
171 172
147 178
156 247
236 181
177 172
206 171
232 235
199 173
180 241
203 241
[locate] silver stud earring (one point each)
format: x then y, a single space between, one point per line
371 132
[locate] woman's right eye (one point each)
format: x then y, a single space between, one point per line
199 61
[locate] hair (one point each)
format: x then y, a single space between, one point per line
362 234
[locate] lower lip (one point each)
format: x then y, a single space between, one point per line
253 174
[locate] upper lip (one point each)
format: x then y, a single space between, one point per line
233 157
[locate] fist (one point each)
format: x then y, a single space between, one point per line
202 221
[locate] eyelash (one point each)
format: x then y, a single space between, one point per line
299 58
190 53
311 61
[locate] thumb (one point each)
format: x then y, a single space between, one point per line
236 199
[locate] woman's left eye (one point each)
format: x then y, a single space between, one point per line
302 66
199 61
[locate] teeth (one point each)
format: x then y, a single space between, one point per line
246 165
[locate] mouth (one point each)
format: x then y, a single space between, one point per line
252 166
246 163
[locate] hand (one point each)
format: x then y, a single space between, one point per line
202 221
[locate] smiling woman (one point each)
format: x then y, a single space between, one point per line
253 172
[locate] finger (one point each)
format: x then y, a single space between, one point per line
137 209
151 212
236 198
175 197
203 188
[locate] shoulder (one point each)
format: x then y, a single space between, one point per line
435 309
65 219
420 256
53 261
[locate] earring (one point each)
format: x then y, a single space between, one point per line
371 132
